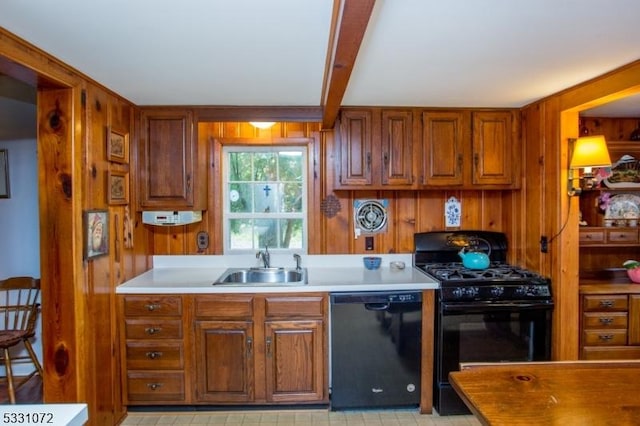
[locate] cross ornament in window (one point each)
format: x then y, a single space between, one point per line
266 190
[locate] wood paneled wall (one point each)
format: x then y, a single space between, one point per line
547 127
409 211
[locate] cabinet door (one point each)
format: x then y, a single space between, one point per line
355 148
397 147
167 160
295 354
445 138
493 148
224 359
634 319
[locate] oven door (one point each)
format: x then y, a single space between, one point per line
491 332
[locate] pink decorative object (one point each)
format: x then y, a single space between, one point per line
634 275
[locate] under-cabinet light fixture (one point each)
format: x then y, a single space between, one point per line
262 124
588 152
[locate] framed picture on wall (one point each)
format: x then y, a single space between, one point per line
117 187
96 233
4 174
117 146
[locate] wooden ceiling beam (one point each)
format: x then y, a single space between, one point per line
348 25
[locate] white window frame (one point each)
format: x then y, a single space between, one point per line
228 215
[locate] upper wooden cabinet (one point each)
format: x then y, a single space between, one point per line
375 148
172 173
474 150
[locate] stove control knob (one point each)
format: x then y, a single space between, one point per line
471 292
522 290
457 292
497 291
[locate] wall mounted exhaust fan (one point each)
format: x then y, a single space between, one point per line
370 216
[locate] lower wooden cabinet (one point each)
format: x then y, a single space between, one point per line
153 349
225 349
610 326
261 348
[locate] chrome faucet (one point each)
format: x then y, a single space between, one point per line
298 260
265 257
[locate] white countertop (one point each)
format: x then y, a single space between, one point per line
326 273
44 414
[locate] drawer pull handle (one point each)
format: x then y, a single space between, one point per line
607 303
154 386
249 346
605 337
269 347
152 330
154 355
152 307
606 320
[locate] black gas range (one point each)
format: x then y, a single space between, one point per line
437 254
501 313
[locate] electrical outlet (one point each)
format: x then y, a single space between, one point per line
544 244
202 240
368 243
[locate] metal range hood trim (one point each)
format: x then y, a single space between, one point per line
171 218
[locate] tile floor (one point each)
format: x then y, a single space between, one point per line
297 417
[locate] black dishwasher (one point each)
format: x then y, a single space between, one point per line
375 349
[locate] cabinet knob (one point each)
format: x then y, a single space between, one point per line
607 303
152 330
269 347
154 386
605 337
249 346
154 354
152 307
606 320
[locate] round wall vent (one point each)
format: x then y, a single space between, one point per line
370 216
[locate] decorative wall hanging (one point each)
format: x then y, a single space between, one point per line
128 229
117 146
370 216
96 233
117 187
330 206
452 212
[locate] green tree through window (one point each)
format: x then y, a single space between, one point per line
265 198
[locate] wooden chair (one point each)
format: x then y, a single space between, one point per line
19 308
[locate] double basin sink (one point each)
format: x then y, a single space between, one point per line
262 276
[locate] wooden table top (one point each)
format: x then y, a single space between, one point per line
581 393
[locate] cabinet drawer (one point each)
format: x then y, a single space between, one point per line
149 329
303 306
604 337
605 302
224 306
589 236
622 236
599 353
152 306
154 355
604 320
147 386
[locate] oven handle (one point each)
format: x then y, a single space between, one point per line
492 307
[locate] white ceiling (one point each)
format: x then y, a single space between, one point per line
463 53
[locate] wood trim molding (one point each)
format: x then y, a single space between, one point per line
349 23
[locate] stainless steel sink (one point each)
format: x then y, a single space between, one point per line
257 276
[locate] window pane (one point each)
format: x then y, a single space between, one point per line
240 198
266 196
266 233
292 198
239 166
291 233
240 234
265 164
290 164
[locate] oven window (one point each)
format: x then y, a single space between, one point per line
493 337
